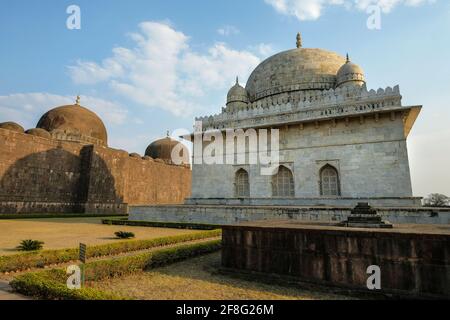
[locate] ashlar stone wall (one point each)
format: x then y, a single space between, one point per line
370 154
39 175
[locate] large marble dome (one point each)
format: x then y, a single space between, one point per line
292 70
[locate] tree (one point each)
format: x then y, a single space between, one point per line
437 200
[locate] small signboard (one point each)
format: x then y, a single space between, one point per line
82 252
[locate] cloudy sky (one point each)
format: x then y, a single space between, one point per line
150 66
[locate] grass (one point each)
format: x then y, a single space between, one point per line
196 279
61 233
40 259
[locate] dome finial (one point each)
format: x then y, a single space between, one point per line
299 40
237 79
77 101
348 58
168 133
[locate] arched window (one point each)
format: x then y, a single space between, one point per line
242 184
329 181
283 183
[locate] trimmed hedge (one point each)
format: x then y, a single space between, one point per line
117 267
42 285
40 259
51 284
56 215
173 225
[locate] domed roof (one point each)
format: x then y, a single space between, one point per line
292 70
350 72
237 93
39 133
135 155
75 123
12 126
163 148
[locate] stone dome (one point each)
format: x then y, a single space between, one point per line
74 123
350 73
162 149
135 155
39 133
237 93
12 126
293 70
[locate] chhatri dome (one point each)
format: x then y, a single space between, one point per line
74 123
300 69
237 96
350 74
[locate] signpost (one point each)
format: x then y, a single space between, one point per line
82 258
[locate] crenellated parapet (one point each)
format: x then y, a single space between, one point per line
309 105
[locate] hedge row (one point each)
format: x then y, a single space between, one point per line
41 285
51 284
173 225
40 259
56 215
117 267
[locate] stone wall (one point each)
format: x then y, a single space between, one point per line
370 154
39 175
138 181
413 260
227 214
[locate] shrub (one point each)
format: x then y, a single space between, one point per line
30 245
40 259
124 235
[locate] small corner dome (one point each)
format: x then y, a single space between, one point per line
163 148
74 123
38 132
237 93
12 126
350 73
135 155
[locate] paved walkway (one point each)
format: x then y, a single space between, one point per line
7 294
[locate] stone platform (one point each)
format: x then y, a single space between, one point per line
413 259
231 214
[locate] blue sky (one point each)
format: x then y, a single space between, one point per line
150 66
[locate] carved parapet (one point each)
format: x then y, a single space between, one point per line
313 103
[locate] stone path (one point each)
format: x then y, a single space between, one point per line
7 294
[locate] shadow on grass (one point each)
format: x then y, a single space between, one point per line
206 268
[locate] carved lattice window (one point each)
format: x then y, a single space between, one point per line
283 183
329 182
242 184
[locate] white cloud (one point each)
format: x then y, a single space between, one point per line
162 71
312 9
27 108
264 49
228 30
